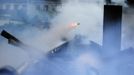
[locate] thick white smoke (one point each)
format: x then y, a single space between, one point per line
36 39
88 14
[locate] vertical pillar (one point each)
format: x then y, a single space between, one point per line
112 29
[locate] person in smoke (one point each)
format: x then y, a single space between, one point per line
8 70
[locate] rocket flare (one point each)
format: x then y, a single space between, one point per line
74 25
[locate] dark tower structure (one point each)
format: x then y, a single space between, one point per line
112 29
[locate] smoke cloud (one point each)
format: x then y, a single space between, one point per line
89 13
